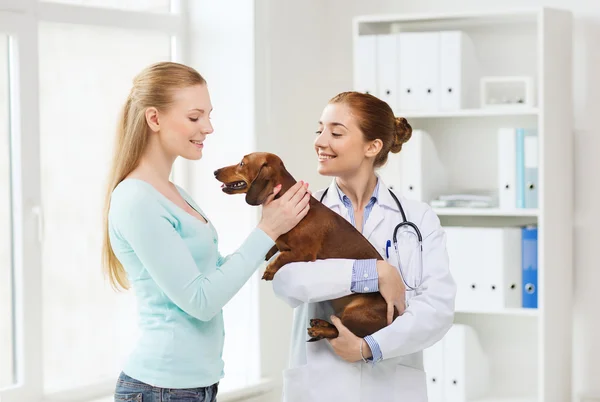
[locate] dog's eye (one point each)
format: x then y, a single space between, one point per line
242 163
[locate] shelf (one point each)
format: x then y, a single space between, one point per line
487 112
458 152
480 16
518 312
486 212
506 399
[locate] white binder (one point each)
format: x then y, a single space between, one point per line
458 71
424 176
507 168
408 71
530 169
365 63
387 70
459 242
391 172
502 283
466 366
428 59
486 265
433 363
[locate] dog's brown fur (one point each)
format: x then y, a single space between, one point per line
321 234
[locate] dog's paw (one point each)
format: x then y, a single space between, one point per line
314 333
268 275
315 322
317 333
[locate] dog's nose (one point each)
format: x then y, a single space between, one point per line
216 172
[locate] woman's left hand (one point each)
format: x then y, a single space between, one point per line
347 345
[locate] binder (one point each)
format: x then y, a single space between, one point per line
464 268
408 71
458 71
391 172
486 265
530 267
365 62
387 71
433 363
423 176
530 169
466 366
520 168
507 168
527 168
502 283
428 78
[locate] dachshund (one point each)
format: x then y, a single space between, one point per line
321 234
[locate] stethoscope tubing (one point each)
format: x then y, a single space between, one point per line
405 222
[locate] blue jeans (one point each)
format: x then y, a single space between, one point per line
132 390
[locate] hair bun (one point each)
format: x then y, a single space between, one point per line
401 135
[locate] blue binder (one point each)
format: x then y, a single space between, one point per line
530 266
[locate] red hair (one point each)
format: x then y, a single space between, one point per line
376 120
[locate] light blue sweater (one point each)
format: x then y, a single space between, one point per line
181 283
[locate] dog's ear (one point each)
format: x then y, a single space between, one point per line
261 187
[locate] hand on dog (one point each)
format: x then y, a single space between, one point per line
347 345
392 289
281 215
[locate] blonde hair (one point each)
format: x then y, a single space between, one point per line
152 87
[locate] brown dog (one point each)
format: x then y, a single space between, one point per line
321 234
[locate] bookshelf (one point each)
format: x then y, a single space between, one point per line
413 115
486 212
528 350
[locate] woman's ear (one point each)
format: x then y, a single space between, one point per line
373 148
152 119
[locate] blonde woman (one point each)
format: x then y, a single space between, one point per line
159 241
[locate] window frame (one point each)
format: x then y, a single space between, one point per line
20 19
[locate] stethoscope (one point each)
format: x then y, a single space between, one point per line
404 224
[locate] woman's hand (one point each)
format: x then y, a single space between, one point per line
391 288
347 345
281 215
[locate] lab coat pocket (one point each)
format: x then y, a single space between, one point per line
295 384
410 384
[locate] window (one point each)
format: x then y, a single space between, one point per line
70 64
68 69
158 6
6 266
85 75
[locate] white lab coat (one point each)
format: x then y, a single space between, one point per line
315 372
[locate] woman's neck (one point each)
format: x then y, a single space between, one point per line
155 166
359 188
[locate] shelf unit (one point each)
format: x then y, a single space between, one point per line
486 212
529 350
482 112
517 312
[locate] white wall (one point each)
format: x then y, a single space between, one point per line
221 48
306 57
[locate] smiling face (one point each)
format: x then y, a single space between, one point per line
184 125
340 144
